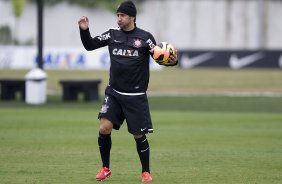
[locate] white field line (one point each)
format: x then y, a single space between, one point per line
189 94
226 93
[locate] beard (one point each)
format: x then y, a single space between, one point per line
124 25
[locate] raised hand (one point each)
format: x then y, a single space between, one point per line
83 22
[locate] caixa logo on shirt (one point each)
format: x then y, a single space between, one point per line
125 52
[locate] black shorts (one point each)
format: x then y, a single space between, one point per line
134 109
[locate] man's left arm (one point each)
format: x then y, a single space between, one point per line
173 59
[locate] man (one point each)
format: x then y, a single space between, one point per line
125 97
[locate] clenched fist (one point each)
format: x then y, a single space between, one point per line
83 22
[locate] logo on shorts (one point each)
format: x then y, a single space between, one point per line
142 129
106 99
104 108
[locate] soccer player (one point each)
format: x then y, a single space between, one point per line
125 96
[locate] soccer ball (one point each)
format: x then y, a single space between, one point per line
162 52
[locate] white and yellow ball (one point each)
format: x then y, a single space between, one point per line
162 52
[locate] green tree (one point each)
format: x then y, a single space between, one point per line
18 7
5 35
107 4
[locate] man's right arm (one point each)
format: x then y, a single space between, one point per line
88 42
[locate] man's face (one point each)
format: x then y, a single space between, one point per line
124 21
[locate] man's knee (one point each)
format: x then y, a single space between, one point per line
137 136
106 126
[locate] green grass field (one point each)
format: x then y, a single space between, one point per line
198 139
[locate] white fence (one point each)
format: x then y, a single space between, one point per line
188 24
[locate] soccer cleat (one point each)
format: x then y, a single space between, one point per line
103 174
146 177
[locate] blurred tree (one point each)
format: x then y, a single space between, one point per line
107 4
18 7
5 35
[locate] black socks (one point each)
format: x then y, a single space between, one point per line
142 146
143 150
105 145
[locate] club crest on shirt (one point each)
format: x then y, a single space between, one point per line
137 43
